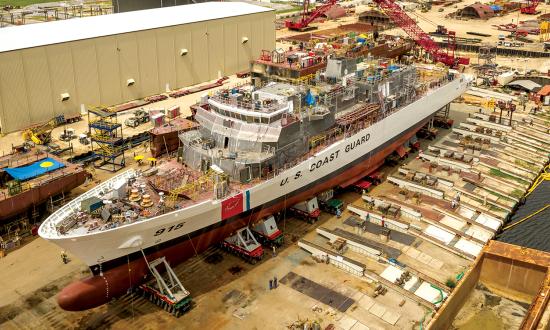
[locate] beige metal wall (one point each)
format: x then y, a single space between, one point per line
95 71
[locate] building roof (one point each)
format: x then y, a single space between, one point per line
41 34
373 13
545 91
483 11
335 12
526 84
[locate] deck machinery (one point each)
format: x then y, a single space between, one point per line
244 244
166 291
267 232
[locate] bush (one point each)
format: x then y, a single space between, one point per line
450 283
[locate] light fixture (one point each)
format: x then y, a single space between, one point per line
65 96
130 82
244 40
183 51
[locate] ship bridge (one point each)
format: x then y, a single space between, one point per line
244 129
263 106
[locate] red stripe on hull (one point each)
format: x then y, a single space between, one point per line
98 290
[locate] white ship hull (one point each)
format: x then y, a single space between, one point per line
103 246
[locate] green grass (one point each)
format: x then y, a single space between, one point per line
500 196
289 10
524 164
501 174
517 193
21 3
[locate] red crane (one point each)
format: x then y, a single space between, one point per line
308 17
531 8
399 17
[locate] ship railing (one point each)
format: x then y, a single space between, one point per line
341 135
50 225
36 182
249 105
13 161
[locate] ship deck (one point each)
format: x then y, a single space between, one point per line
195 187
178 124
25 159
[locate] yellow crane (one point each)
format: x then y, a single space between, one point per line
41 134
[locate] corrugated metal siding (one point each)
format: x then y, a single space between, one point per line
148 64
269 31
60 62
1 106
256 39
94 72
244 51
86 73
129 65
14 92
230 46
167 55
35 64
199 35
109 75
215 49
184 64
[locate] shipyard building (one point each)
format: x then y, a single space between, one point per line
62 67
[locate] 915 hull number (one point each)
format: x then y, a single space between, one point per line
169 229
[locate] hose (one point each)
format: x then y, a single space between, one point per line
428 311
440 293
435 303
459 276
543 176
526 218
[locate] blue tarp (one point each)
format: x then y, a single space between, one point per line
496 8
310 99
31 171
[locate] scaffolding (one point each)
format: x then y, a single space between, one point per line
486 69
107 140
212 178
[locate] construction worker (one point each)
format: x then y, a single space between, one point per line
274 251
64 257
338 213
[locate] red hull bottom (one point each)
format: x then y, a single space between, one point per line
98 290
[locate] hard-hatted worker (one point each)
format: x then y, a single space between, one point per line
64 257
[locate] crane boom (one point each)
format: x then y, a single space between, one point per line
399 17
307 17
405 22
531 8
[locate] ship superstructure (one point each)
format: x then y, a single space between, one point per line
256 151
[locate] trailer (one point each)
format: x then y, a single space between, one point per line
427 133
329 204
267 232
243 244
307 210
166 291
443 122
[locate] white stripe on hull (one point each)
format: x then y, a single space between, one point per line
102 246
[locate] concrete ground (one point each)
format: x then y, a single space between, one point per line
80 127
228 293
